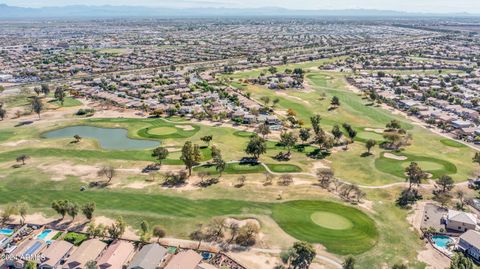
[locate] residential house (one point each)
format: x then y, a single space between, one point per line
469 243
460 221
185 260
88 251
55 254
149 257
116 255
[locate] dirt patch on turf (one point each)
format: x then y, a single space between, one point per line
138 185
241 223
15 143
378 131
61 170
433 258
129 231
185 127
394 157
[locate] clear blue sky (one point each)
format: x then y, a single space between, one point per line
444 6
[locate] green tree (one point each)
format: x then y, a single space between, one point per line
3 112
315 120
304 134
22 208
73 209
7 212
107 171
445 183
88 209
256 146
158 232
77 138
302 254
22 158
117 229
265 100
190 156
476 158
60 95
61 207
37 105
370 144
207 139
399 266
160 153
45 88
31 265
288 140
263 129
91 265
337 134
415 175
459 261
349 263
335 102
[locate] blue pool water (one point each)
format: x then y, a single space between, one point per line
44 234
6 231
441 241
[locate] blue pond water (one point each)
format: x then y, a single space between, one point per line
109 138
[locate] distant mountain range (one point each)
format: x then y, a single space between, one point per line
82 11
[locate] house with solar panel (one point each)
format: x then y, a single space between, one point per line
28 251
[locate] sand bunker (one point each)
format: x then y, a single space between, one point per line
378 131
395 157
185 127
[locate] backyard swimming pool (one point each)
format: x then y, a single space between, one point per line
441 241
44 234
6 231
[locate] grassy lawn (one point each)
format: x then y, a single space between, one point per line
359 238
356 239
452 143
67 102
436 167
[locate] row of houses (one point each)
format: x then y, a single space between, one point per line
56 253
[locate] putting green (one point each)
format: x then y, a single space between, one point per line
436 167
358 233
162 130
331 221
426 165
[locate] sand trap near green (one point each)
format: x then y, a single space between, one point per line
331 221
162 130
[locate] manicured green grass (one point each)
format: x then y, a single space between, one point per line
294 217
128 155
67 102
331 220
361 237
4 135
243 133
233 168
436 167
452 143
162 131
284 168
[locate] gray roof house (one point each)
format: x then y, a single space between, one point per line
149 257
469 243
